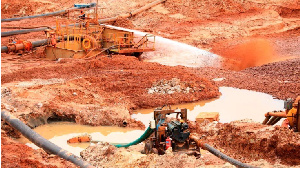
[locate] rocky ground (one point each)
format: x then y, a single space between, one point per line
259 41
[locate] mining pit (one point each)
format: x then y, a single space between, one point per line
237 58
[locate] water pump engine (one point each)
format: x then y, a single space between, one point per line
174 133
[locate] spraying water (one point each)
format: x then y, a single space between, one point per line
173 53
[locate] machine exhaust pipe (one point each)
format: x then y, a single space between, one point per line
42 142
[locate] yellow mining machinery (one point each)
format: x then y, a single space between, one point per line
91 39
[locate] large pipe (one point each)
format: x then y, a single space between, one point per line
225 157
34 44
276 114
276 120
147 7
43 42
24 31
112 19
42 142
217 153
47 14
273 118
266 120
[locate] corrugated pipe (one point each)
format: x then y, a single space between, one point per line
47 14
217 153
16 32
42 142
143 137
225 157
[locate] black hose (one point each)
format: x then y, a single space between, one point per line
24 31
112 19
46 14
266 120
276 120
273 118
42 142
225 157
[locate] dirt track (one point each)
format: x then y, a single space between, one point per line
255 37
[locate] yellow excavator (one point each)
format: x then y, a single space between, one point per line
291 113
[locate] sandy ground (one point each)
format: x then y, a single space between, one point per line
259 41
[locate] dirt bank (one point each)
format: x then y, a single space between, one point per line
88 91
16 155
280 79
249 141
103 91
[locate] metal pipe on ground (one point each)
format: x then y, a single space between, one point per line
42 142
47 14
112 19
24 31
18 27
34 44
147 7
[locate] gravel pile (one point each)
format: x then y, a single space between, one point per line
174 85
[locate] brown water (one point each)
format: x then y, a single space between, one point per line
233 104
60 132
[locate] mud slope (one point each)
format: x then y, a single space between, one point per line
259 40
88 91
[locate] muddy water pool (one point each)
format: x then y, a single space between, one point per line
233 104
59 132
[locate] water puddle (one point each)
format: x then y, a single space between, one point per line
233 104
173 53
59 132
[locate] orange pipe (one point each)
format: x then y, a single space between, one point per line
276 114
